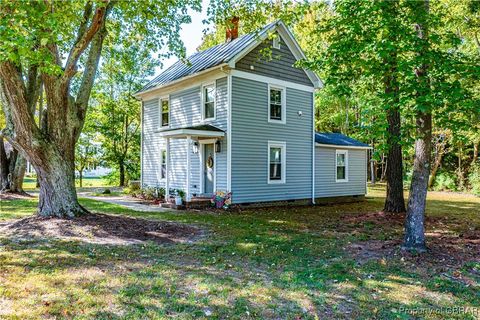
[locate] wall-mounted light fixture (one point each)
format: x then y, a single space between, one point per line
195 147
218 146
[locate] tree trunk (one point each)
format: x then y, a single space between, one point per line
58 196
394 201
475 153
18 174
436 166
415 220
4 168
122 174
414 239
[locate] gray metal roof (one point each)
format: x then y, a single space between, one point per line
206 59
338 139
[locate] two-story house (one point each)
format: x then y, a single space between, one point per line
239 117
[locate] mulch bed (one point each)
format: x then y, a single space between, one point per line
102 229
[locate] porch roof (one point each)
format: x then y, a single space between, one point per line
201 131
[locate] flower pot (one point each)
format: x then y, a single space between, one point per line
178 201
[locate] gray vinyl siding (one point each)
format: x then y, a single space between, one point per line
251 132
280 65
185 110
325 172
152 144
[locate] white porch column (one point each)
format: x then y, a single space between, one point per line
189 146
167 182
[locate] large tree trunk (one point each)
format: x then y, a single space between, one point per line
414 239
394 201
58 196
51 150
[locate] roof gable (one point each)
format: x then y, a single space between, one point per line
227 53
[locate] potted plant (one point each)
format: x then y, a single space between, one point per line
179 197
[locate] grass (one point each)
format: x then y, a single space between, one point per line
30 183
281 263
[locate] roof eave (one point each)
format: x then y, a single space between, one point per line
139 95
341 146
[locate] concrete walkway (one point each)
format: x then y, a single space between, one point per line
126 202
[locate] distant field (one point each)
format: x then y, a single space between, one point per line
95 182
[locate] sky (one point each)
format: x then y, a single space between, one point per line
191 34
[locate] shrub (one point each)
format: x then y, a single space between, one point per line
445 181
107 191
474 179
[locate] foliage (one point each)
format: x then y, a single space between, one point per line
445 182
474 179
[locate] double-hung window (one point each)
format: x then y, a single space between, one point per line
276 162
341 158
163 164
164 112
276 104
208 107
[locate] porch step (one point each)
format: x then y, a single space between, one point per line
198 203
173 206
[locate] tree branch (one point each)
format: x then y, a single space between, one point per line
84 38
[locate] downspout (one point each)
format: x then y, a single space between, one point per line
313 147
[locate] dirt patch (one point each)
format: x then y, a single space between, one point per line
101 229
444 252
447 248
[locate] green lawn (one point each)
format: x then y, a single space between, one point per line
292 263
88 182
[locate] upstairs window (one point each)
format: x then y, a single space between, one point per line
164 112
341 166
276 162
276 104
163 164
208 101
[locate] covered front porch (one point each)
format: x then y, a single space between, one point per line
195 161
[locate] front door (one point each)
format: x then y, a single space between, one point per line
208 168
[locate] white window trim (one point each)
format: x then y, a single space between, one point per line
284 103
345 152
214 85
276 42
160 112
161 164
283 146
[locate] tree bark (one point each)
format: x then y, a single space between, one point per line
394 201
414 239
80 178
475 153
122 174
4 168
18 174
